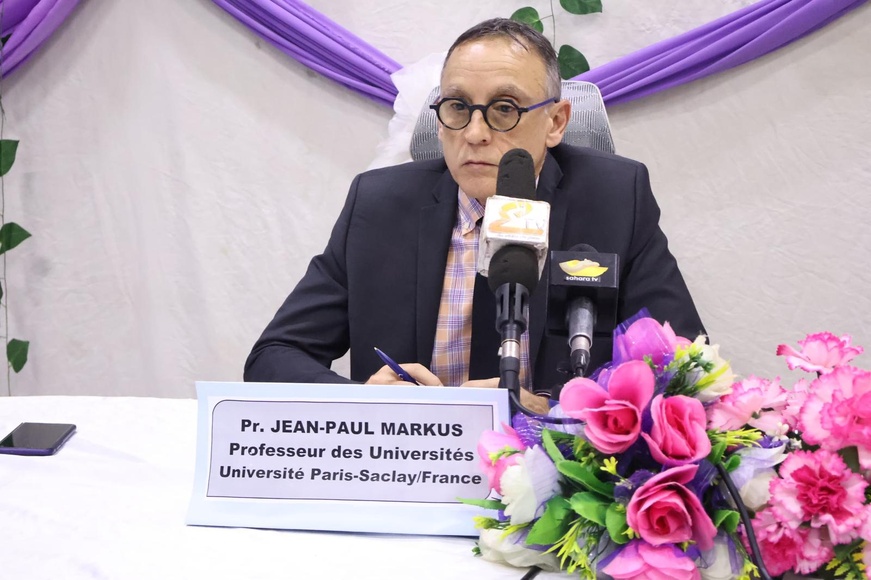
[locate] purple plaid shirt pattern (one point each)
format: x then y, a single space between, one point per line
453 339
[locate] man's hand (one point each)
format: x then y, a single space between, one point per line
532 402
385 376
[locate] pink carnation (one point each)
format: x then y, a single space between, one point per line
837 410
639 560
816 550
797 397
756 402
780 543
818 487
491 444
613 417
820 352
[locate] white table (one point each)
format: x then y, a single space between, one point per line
111 505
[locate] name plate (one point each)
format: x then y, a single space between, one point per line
386 459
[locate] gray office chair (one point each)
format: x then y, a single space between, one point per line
588 126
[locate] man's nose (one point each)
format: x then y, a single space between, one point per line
478 131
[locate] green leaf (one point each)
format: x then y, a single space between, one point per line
589 506
11 235
8 148
571 62
550 446
553 524
850 455
581 6
489 504
727 519
584 475
732 463
528 15
615 521
717 451
16 353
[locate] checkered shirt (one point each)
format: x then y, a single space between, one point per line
453 339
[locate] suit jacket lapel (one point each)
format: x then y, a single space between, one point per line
548 190
434 238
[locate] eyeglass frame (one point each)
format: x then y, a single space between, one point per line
484 108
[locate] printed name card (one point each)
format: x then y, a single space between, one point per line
384 459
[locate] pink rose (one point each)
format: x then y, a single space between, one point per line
820 352
499 451
678 435
640 561
613 417
646 337
664 511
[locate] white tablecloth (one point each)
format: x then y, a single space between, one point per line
111 505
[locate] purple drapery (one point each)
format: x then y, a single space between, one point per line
737 38
319 43
28 23
722 44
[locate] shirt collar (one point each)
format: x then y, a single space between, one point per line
470 212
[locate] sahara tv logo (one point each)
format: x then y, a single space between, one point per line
582 268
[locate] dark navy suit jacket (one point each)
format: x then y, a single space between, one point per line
379 280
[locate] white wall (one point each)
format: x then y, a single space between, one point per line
177 174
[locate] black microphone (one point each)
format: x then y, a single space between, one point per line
512 251
582 299
513 277
513 216
516 176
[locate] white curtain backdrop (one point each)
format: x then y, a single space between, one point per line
177 174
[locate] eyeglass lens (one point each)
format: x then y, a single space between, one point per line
499 115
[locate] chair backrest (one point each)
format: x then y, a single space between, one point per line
588 125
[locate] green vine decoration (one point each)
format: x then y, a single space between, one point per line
571 61
11 235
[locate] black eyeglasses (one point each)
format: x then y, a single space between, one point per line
499 114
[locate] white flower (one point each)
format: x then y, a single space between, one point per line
528 485
719 562
510 549
755 472
718 382
755 492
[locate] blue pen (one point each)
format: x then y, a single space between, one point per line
402 373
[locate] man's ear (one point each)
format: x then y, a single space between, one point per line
559 114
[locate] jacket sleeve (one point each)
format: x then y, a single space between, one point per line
310 330
651 277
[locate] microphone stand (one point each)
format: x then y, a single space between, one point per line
512 316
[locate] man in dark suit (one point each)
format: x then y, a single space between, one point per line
396 273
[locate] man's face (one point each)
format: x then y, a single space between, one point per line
496 68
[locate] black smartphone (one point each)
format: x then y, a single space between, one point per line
37 438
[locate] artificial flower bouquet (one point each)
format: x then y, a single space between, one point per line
629 476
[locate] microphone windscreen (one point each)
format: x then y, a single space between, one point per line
516 176
513 264
583 248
